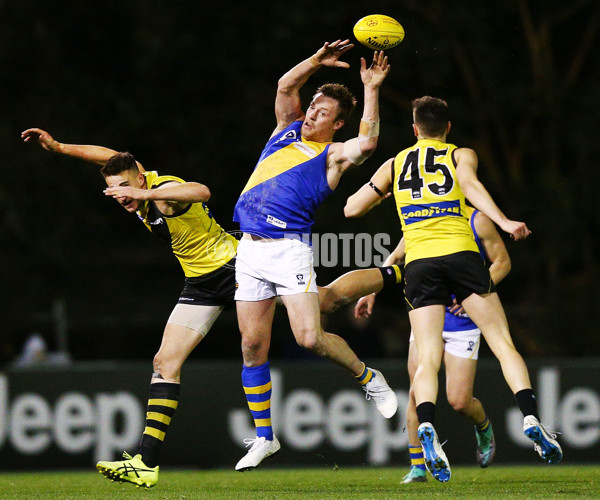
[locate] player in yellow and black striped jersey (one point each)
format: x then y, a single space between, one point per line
429 182
197 240
176 211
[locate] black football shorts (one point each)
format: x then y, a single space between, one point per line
433 280
216 288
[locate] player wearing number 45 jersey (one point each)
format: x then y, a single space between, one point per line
429 182
461 347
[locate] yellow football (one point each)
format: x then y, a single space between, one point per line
379 32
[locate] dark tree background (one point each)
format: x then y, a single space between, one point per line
188 87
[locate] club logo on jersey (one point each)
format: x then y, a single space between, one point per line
300 278
290 135
274 221
417 213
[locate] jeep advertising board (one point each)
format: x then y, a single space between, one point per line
72 417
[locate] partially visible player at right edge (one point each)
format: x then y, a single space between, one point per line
430 182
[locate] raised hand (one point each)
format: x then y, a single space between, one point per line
43 137
329 54
376 73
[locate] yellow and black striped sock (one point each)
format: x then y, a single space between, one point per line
162 403
482 427
416 456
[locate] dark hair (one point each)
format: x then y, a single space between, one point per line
431 115
118 163
341 93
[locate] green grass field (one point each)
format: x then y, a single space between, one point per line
344 484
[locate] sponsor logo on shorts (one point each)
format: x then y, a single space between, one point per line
157 222
274 221
300 278
471 345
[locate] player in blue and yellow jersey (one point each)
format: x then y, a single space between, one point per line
430 182
177 212
299 167
461 346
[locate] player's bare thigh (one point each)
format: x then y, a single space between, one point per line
427 324
187 326
305 317
460 378
255 319
488 314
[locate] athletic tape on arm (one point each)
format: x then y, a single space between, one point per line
352 151
369 129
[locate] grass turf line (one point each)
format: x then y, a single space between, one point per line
521 482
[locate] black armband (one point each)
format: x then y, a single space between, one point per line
376 189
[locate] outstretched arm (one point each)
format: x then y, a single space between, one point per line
494 247
356 150
466 173
372 193
180 193
92 154
288 107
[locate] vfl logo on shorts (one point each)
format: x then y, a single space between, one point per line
274 221
300 278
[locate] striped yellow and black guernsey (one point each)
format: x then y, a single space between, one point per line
197 240
430 202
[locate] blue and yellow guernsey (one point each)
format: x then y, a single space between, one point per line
288 184
197 240
430 203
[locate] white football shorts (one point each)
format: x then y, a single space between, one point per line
463 344
268 268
